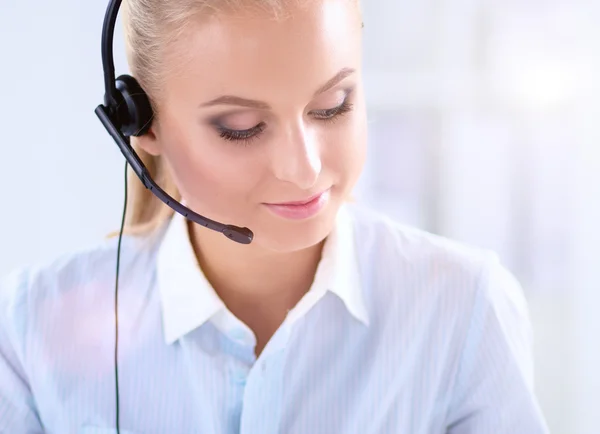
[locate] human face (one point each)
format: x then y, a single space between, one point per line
266 112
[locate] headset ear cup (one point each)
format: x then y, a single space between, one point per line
135 114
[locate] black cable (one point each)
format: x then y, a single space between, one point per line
117 307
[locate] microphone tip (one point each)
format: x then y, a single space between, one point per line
237 234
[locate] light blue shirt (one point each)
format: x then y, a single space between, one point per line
402 331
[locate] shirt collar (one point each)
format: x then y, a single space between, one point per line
188 300
338 271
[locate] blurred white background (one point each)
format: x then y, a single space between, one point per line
485 127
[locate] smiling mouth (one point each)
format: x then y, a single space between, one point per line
299 202
303 209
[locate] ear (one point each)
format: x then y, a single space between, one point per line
149 142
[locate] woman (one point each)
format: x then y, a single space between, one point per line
333 320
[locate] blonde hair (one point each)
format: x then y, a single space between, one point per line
150 28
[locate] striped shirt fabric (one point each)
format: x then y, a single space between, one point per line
402 331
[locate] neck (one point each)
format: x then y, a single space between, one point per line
256 285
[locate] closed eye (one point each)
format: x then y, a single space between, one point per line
330 114
244 137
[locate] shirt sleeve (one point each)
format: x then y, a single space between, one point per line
17 407
494 390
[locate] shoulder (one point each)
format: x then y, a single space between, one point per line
75 268
31 295
396 246
409 265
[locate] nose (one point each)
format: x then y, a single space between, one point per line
297 158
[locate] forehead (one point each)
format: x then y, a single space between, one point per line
250 54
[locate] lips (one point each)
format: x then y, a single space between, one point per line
300 210
299 202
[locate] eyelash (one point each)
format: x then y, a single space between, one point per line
245 137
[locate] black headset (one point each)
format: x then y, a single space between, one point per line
127 112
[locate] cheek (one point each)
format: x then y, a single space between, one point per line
346 155
209 170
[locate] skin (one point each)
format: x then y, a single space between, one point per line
303 149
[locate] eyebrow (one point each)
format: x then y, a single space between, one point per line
244 102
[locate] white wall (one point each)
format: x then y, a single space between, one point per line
60 172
